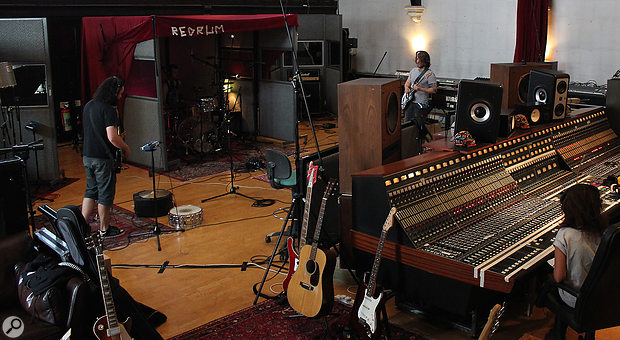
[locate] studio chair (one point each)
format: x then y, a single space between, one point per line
281 175
598 300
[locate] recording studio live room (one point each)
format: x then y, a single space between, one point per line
310 169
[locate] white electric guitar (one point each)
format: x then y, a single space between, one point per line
364 314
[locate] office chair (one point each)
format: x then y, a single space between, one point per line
598 300
281 175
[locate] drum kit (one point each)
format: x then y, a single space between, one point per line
199 131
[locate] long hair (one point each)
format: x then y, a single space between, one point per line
108 90
424 57
582 208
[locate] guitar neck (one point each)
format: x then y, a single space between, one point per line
319 221
375 266
304 224
106 292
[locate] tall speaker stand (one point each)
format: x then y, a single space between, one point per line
151 147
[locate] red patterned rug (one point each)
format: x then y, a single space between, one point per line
192 166
270 320
123 219
47 192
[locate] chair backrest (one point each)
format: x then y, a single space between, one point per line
598 304
278 167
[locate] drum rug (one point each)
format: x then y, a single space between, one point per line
273 320
246 156
121 218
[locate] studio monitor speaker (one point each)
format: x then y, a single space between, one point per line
548 92
613 104
478 109
369 125
13 203
514 78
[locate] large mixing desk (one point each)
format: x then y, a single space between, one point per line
484 217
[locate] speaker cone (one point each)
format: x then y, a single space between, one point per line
559 110
535 115
524 84
562 87
541 96
391 116
480 112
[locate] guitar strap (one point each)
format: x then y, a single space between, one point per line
420 76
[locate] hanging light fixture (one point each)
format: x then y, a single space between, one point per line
415 10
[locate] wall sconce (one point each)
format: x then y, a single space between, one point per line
415 10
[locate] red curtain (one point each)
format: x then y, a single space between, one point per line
531 30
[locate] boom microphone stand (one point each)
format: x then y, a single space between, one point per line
296 204
151 147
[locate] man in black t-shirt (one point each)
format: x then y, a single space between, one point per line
101 138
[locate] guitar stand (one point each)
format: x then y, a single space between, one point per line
151 147
289 216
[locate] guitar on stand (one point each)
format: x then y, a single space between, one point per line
366 308
293 256
311 289
107 327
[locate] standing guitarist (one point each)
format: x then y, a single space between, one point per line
101 138
420 83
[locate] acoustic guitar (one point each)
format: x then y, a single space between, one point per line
107 327
311 290
365 312
293 257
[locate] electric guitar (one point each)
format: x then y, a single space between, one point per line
365 311
293 257
407 97
492 322
107 327
311 290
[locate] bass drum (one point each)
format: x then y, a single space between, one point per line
191 136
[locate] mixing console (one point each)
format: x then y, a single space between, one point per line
494 211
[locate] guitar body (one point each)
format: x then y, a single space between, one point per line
311 289
364 318
293 262
100 328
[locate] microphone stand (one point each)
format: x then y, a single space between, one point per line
151 147
381 61
294 213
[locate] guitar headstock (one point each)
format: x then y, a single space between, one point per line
331 185
312 172
389 220
95 242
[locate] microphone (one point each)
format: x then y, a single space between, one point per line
150 146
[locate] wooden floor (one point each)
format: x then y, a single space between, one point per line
234 233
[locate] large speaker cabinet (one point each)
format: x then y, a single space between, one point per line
613 104
13 203
478 109
514 78
369 125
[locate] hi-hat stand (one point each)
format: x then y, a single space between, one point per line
151 147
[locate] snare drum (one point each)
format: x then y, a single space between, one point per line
185 216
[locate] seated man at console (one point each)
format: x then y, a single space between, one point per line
576 243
